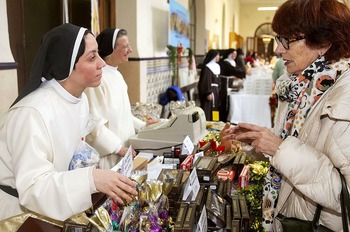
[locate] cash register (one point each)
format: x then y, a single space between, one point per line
161 136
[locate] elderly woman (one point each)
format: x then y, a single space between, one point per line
312 129
110 100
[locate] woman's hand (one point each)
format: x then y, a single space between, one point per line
225 142
114 184
261 138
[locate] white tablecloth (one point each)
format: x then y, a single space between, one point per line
250 108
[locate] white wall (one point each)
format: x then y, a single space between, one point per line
221 18
213 20
8 78
148 30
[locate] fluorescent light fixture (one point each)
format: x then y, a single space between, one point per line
268 8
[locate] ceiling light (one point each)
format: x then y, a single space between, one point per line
268 8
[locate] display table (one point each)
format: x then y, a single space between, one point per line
249 108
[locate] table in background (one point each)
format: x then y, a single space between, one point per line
250 108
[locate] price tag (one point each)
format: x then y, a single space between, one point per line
203 222
127 165
192 186
187 146
197 155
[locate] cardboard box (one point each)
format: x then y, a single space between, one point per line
190 219
228 219
139 163
243 179
205 168
245 223
36 225
216 209
187 163
180 218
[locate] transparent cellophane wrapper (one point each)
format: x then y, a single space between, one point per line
85 155
144 111
146 212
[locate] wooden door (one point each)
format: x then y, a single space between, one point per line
29 20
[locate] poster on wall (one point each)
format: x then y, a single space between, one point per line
179 29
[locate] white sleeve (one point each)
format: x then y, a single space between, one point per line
138 124
310 171
101 138
41 187
104 140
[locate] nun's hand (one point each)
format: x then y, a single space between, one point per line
209 97
115 185
151 121
261 138
124 150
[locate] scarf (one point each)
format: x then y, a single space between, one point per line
301 92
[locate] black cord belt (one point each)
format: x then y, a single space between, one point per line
9 190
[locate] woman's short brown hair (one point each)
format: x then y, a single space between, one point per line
322 22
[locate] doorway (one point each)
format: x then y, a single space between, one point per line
28 21
264 41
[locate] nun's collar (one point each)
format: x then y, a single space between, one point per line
62 91
230 60
107 66
214 67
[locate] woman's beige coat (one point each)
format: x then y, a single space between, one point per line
308 162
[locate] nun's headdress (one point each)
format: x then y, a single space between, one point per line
210 56
225 53
60 49
106 40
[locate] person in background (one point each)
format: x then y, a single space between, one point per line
278 69
110 101
173 93
310 140
228 73
208 84
250 58
41 133
228 64
240 63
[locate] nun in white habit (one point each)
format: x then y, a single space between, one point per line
40 133
110 101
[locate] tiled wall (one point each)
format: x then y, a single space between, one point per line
147 79
159 77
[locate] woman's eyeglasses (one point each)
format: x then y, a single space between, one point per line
286 41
